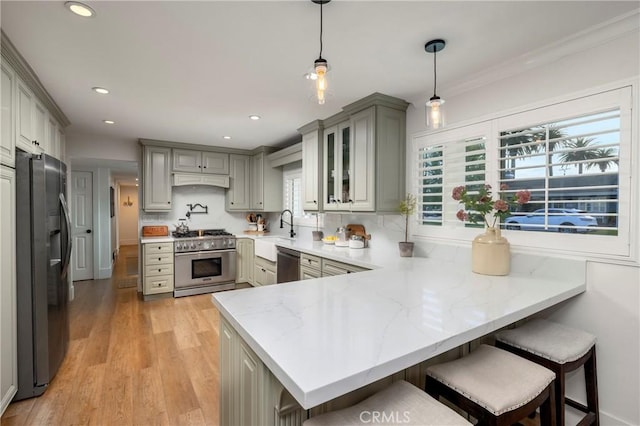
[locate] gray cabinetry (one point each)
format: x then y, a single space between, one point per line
312 149
8 309
157 268
266 185
8 113
157 179
190 161
264 272
332 267
238 194
310 266
245 259
362 156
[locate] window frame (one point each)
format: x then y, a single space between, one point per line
622 248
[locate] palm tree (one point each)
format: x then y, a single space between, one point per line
604 158
578 151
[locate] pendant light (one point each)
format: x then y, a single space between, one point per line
320 65
434 112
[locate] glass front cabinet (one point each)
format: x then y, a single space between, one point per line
363 157
337 172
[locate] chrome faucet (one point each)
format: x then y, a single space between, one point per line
282 222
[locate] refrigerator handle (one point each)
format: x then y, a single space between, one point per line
67 255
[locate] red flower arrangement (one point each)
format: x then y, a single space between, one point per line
478 206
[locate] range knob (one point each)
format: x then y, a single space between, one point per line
225 242
193 245
206 245
178 246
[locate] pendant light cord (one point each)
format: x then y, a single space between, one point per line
435 73
320 56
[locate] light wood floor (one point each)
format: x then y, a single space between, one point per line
131 362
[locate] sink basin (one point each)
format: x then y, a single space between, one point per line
265 247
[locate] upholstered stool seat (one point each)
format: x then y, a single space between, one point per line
401 403
561 349
494 386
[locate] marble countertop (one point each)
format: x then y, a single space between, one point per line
165 239
325 337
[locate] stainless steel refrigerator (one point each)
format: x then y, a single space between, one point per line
43 248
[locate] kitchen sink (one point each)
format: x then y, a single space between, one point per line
265 247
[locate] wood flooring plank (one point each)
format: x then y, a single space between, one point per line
176 383
148 397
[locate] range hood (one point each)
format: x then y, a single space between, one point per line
189 179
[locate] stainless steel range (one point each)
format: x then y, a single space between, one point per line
205 262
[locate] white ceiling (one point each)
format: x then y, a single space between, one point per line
193 71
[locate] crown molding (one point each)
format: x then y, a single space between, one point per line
587 39
30 78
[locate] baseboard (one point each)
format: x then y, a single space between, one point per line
573 416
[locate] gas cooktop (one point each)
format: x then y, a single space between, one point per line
202 233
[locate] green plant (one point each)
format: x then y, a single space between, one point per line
406 208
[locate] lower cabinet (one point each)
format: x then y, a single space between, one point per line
331 267
264 272
310 266
8 320
244 260
157 268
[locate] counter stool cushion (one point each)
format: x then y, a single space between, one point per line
549 340
497 380
400 403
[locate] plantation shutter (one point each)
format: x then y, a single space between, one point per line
442 167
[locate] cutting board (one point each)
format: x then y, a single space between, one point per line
155 231
358 230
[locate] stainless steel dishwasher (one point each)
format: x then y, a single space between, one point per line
288 265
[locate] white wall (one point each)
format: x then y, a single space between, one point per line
610 308
92 146
210 196
128 215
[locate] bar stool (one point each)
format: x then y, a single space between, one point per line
495 386
561 349
401 404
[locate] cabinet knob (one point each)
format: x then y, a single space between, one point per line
159 270
232 203
159 248
168 202
159 258
315 202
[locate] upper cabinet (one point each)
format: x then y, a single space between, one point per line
156 179
7 123
362 157
190 161
312 148
266 185
238 194
31 120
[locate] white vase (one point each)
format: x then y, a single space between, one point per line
490 253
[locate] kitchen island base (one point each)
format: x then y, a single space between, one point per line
251 394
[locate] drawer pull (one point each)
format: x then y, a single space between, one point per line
159 270
159 259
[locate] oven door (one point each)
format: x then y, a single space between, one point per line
204 268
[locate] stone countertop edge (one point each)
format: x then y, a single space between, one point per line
464 294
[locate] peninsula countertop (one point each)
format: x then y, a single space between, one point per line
325 337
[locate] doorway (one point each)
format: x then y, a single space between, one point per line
82 225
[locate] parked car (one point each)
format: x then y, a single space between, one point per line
560 220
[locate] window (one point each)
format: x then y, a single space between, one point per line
292 196
574 157
571 169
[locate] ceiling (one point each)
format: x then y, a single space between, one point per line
193 71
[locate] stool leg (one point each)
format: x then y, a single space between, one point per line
548 414
559 398
591 381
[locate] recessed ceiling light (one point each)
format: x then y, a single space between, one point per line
80 9
108 122
226 137
254 117
100 90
